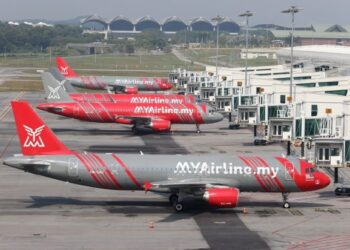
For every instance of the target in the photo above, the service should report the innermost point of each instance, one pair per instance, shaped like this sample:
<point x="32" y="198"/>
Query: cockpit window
<point x="310" y="170"/>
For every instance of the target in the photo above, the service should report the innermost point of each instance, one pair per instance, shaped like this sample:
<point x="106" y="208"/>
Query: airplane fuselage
<point x="133" y="172"/>
<point x="103" y="82"/>
<point x="109" y="112"/>
<point x="133" y="98"/>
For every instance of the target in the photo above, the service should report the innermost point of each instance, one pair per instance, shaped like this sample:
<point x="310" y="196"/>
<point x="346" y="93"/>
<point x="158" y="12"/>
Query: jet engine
<point x="222" y="197"/>
<point x="130" y="90"/>
<point x="123" y="121"/>
<point x="159" y="125"/>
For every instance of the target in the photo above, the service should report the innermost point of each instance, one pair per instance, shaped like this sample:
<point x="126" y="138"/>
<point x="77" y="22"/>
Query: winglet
<point x="64" y="68"/>
<point x="35" y="137"/>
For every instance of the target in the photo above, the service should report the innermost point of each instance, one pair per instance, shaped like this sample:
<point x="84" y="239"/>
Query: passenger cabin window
<point x="313" y="110"/>
<point x="310" y="170"/>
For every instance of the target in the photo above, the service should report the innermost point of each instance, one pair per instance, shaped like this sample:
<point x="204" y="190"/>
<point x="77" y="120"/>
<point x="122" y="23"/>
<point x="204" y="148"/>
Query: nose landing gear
<point x="285" y="200"/>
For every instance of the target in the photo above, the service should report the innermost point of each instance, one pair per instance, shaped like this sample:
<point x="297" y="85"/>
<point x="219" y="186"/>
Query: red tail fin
<point x="34" y="135"/>
<point x="64" y="68"/>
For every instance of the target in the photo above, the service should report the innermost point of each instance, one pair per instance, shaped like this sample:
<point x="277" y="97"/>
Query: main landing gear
<point x="198" y="129"/>
<point x="174" y="201"/>
<point x="134" y="129"/>
<point x="285" y="200"/>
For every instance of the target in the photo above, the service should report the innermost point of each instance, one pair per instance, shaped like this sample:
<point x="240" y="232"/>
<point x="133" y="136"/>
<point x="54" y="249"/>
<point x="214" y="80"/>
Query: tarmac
<point x="41" y="213"/>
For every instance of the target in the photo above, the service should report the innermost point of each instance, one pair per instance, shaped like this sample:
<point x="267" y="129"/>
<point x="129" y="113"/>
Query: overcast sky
<point x="266" y="11"/>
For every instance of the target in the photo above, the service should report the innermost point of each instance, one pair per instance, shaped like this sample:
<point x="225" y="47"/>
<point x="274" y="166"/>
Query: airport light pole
<point x="218" y="19"/>
<point x="246" y="14"/>
<point x="292" y="10"/>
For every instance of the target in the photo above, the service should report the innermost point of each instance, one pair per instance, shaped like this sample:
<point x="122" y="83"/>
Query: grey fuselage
<point x="103" y="82"/>
<point x="131" y="172"/>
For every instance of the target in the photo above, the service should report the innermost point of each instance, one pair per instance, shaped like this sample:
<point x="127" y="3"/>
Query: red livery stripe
<point x="247" y="162"/>
<point x="108" y="171"/>
<point x="100" y="172"/>
<point x="93" y="175"/>
<point x="127" y="171"/>
<point x="276" y="178"/>
<point x="95" y="168"/>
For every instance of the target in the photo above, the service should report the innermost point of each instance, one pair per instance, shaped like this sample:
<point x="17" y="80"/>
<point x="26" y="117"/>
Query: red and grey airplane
<point x="129" y="85"/>
<point x="157" y="116"/>
<point x="55" y="86"/>
<point x="217" y="179"/>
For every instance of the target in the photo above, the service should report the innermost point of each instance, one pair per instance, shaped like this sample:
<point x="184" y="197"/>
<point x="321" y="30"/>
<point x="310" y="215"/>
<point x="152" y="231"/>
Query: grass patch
<point x="227" y="57"/>
<point x="17" y="85"/>
<point x="162" y="62"/>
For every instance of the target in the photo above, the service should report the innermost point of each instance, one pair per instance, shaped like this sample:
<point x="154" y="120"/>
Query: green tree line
<point x="25" y="38"/>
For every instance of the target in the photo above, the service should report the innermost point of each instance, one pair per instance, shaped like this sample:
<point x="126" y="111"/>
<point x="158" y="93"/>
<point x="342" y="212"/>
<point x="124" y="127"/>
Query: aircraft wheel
<point x="286" y="205"/>
<point x="173" y="199"/>
<point x="134" y="129"/>
<point x="179" y="207"/>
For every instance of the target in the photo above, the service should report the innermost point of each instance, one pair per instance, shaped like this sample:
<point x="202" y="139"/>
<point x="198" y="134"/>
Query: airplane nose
<point x="324" y="180"/>
<point x="168" y="86"/>
<point x="50" y="108"/>
<point x="219" y="116"/>
<point x="42" y="106"/>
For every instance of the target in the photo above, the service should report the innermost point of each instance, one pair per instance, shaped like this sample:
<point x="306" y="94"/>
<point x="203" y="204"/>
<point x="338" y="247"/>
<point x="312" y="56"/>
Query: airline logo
<point x="33" y="137"/>
<point x="162" y="110"/>
<point x="226" y="168"/>
<point x="64" y="70"/>
<point x="155" y="100"/>
<point x="54" y="91"/>
<point x="133" y="82"/>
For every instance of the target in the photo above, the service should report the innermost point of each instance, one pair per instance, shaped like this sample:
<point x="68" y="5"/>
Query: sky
<point x="265" y="11"/>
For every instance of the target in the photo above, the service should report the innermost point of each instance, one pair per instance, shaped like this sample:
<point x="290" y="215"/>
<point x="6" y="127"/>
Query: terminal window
<point x="313" y="110"/>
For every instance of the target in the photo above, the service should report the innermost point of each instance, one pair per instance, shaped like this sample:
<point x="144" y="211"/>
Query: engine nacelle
<point x="131" y="90"/>
<point x="222" y="197"/>
<point x="123" y="121"/>
<point x="159" y="125"/>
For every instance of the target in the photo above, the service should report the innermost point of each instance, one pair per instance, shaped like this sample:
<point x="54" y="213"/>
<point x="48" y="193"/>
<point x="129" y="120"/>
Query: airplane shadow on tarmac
<point x="127" y="131"/>
<point x="129" y="208"/>
<point x="85" y="131"/>
<point x="134" y="207"/>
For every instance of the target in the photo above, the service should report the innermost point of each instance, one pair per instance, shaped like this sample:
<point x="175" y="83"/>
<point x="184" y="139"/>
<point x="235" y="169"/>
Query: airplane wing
<point x="192" y="183"/>
<point x="115" y="88"/>
<point x="154" y="123"/>
<point x="138" y="120"/>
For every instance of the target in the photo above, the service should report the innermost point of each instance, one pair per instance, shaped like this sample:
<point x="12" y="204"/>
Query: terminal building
<point x="319" y="116"/>
<point x="170" y="25"/>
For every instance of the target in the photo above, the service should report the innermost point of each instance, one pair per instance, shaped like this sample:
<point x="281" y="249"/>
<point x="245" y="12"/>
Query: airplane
<point x="157" y="116"/>
<point x="55" y="85"/>
<point x="217" y="179"/>
<point x="128" y="85"/>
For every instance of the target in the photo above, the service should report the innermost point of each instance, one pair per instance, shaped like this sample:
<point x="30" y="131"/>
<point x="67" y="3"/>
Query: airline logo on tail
<point x="33" y="137"/>
<point x="54" y="91"/>
<point x="64" y="70"/>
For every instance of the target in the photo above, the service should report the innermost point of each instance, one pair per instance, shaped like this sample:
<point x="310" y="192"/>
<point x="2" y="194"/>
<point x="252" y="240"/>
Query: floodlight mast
<point x="292" y="10"/>
<point x="246" y="14"/>
<point x="218" y="19"/>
